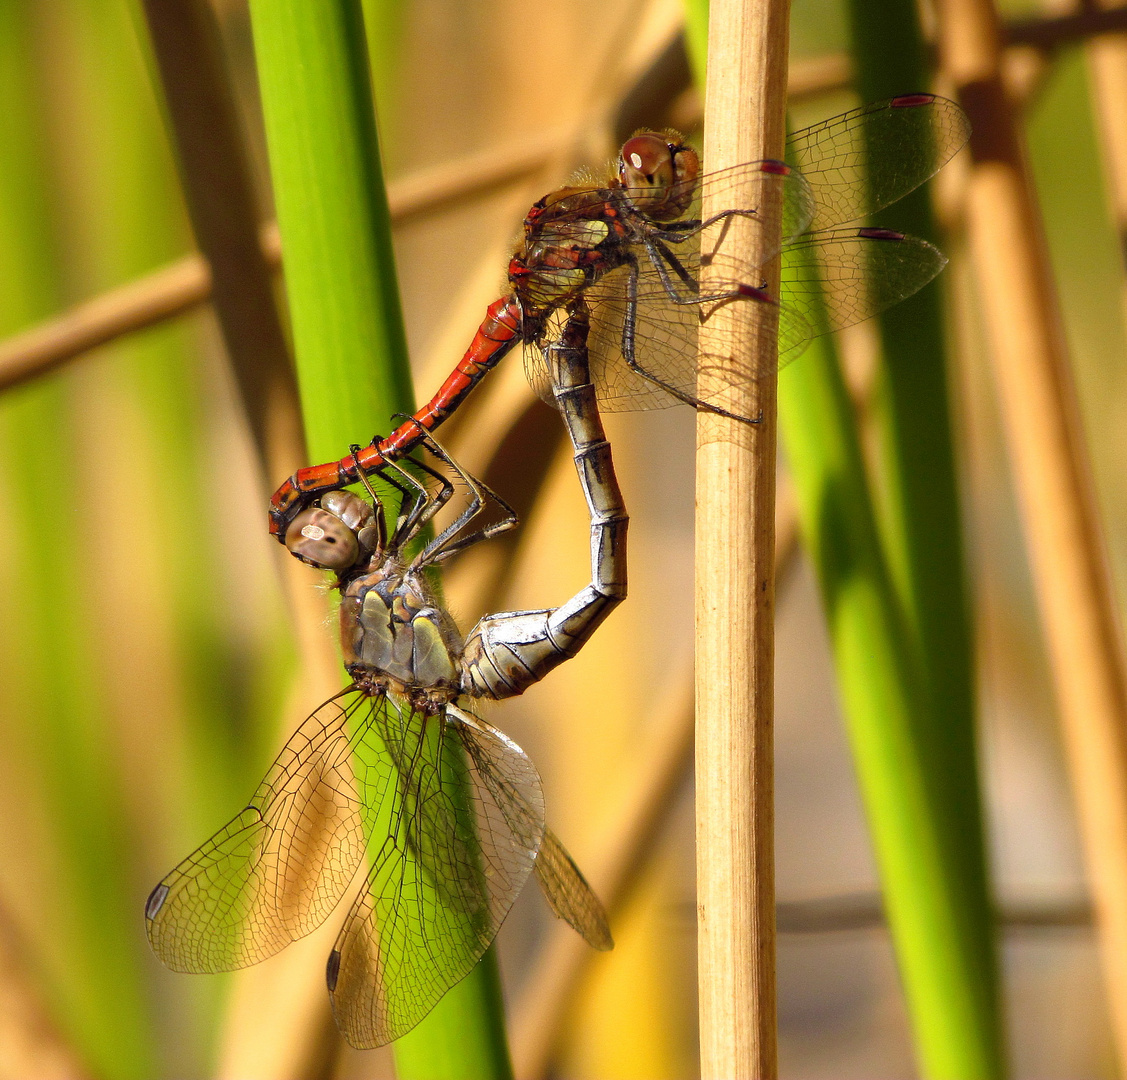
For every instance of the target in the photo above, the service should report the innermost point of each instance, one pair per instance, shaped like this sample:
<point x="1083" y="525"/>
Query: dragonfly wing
<point x="535" y="366"/>
<point x="864" y="160"/>
<point x="666" y="337"/>
<point x="571" y="898"/>
<point x="839" y="278"/>
<point x="765" y="195"/>
<point x="536" y="371"/>
<point x="617" y="387"/>
<point x="276" y="870"/>
<point x="779" y="198"/>
<point x="442" y="880"/>
<point x="662" y="344"/>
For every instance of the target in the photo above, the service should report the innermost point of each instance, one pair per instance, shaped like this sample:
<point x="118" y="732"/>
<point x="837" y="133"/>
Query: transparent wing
<point x="666" y="343"/>
<point x="277" y="869"/>
<point x="570" y="897"/>
<point x="465" y="818"/>
<point x="854" y="273"/>
<point x="864" y="160"/>
<point x="778" y="196"/>
<point x="774" y="198"/>
<point x="667" y="319"/>
<point x="853" y="164"/>
<point x="839" y="278"/>
<point x="769" y="191"/>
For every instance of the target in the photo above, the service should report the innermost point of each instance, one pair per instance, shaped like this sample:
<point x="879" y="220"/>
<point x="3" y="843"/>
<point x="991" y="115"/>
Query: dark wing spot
<point x="155" y="901"/>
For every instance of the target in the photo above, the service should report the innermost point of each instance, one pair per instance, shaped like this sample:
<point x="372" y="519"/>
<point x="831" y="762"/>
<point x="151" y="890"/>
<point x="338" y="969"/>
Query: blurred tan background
<point x="147" y="667"/>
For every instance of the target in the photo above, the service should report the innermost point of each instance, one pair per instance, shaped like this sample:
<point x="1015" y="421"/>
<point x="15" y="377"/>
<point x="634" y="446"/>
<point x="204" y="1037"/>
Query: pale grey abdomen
<point x="507" y="652"/>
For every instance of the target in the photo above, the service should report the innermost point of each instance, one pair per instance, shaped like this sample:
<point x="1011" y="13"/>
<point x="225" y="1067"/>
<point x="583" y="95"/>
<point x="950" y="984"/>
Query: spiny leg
<point x="664" y="260"/>
<point x="426" y="504"/>
<point x="676" y="231"/>
<point x="424" y="507"/>
<point x="429" y="505"/>
<point x="431" y="552"/>
<point x="449" y="543"/>
<point x="629" y="332"/>
<point x="416" y="495"/>
<point x="377" y="502"/>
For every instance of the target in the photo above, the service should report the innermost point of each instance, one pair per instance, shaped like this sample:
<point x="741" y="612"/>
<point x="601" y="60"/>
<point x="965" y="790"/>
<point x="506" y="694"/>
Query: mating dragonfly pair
<point x="397" y="774"/>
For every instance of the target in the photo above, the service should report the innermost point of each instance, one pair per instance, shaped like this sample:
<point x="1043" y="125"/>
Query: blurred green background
<point x="148" y="669"/>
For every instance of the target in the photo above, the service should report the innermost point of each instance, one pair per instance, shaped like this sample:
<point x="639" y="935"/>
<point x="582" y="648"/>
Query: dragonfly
<point x="632" y="247"/>
<point x="397" y="780"/>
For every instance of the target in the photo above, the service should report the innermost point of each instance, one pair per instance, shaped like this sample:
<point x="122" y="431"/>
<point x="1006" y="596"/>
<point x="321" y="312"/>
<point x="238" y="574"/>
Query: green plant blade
<point x="896" y="607"/>
<point x="332" y="210"/>
<point x="350" y="345"/>
<point x="921" y="526"/>
<point x="930" y="897"/>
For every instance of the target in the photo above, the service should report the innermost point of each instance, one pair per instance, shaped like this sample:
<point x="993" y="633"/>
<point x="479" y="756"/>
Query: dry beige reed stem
<point x="1050" y="463"/>
<point x="1107" y="62"/>
<point x="745" y="102"/>
<point x="636" y="827"/>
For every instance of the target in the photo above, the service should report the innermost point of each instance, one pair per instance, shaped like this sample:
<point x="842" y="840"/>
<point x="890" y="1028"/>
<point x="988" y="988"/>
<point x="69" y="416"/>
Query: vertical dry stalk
<point x="744" y="120"/>
<point x="635" y="832"/>
<point x="1107" y="63"/>
<point x="225" y="218"/>
<point x="1058" y="505"/>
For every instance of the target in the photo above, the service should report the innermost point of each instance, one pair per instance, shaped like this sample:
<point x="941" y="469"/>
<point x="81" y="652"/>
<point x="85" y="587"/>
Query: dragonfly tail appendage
<point x="498" y="333"/>
<point x="507" y="652"/>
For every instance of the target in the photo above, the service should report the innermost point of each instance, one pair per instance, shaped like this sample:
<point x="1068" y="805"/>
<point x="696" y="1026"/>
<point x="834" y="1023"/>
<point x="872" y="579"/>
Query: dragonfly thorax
<point x="395" y="634"/>
<point x="569" y="242"/>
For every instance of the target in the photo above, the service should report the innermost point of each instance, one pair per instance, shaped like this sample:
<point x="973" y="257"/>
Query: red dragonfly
<point x="632" y="248"/>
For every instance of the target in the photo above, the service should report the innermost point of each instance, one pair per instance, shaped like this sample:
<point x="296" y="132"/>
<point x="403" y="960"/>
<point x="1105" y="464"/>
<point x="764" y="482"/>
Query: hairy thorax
<point x="569" y="241"/>
<point x="395" y="636"/>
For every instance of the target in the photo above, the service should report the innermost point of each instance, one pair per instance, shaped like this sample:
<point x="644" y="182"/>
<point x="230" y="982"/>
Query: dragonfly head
<point x="335" y="535"/>
<point x="659" y="172"/>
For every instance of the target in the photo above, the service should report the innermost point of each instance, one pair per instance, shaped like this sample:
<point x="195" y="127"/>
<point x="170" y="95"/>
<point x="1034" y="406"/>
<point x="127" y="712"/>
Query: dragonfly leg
<point x="677" y="231"/>
<point x="629" y="330"/>
<point x="414" y="497"/>
<point x="507" y="652"/>
<point x="426" y="503"/>
<point x="449" y="542"/>
<point x="501" y="330"/>
<point x="664" y="260"/>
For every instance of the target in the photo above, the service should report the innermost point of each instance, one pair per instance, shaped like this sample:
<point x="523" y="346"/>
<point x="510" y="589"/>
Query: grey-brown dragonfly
<point x="396" y="785"/>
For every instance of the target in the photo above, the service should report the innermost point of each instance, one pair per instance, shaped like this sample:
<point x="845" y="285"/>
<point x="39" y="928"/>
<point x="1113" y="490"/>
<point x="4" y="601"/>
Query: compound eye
<point x="322" y="539"/>
<point x="354" y="511"/>
<point x="646" y="162"/>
